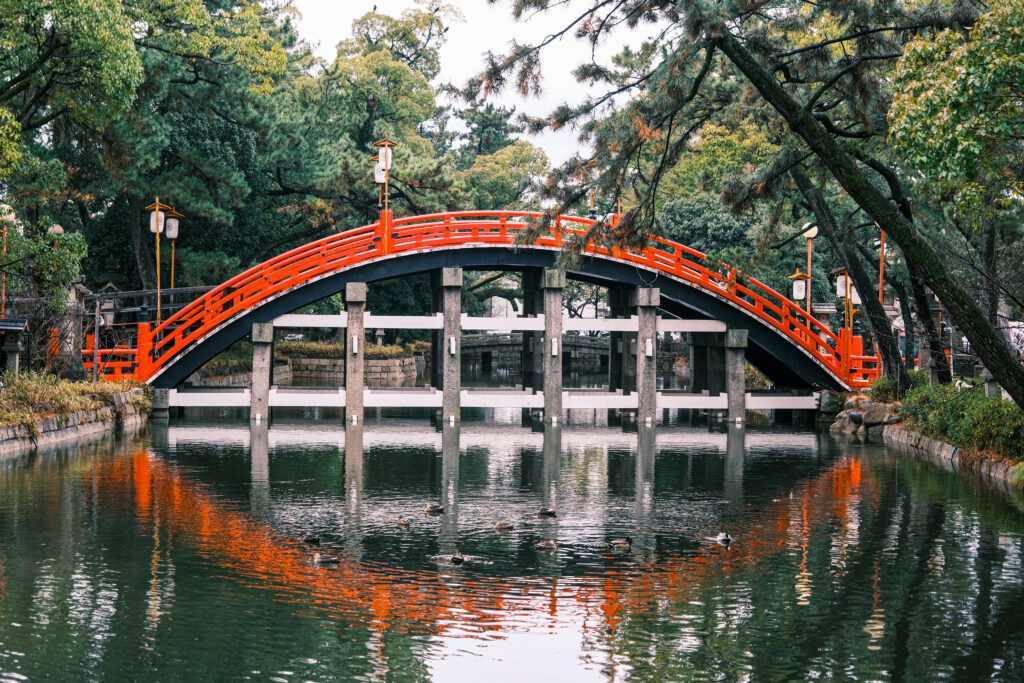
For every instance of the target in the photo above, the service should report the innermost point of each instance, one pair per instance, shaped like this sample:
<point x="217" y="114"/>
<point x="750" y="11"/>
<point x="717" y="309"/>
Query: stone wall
<point x="380" y="372"/>
<point x="50" y="431"/>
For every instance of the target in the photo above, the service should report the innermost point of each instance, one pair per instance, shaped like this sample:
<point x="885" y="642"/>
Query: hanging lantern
<point x="156" y="221"/>
<point x="171" y="228"/>
<point x="841" y="283"/>
<point x="799" y="285"/>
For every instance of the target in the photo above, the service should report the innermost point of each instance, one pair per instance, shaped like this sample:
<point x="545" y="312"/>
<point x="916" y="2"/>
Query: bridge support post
<point x="355" y="352"/>
<point x="262" y="360"/>
<point x="647" y="301"/>
<point x="735" y="375"/>
<point x="554" y="283"/>
<point x="451" y="303"/>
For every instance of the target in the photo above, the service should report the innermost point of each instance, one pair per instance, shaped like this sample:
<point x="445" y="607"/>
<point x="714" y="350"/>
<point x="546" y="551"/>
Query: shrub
<point x="969" y="420"/>
<point x="883" y="389"/>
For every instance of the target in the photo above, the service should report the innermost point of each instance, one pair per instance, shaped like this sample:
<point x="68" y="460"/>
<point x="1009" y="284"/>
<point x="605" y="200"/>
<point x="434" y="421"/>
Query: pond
<point x="180" y="553"/>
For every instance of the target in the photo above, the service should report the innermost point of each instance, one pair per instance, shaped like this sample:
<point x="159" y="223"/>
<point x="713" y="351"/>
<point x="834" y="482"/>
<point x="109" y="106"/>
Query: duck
<point x="623" y="544"/>
<point x="504" y="526"/>
<point x="311" y="538"/>
<point x="320" y="558"/>
<point x="545" y="545"/>
<point x="402" y="522"/>
<point x="457" y="558"/>
<point x="724" y="538"/>
<point x="546" y="512"/>
<point x="433" y="509"/>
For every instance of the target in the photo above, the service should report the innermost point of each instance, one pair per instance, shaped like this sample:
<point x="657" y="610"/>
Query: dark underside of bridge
<point x="784" y="363"/>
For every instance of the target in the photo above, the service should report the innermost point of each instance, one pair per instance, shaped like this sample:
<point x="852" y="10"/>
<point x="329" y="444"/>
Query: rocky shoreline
<point x="880" y="422"/>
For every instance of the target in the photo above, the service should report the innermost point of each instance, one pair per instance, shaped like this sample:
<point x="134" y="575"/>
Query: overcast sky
<point x="484" y="27"/>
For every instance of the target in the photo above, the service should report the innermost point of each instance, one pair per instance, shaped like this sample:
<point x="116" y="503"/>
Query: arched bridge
<point x="793" y="349"/>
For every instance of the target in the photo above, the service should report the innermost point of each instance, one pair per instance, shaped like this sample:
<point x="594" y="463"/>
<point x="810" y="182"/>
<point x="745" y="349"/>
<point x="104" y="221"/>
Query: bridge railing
<point x="395" y="236"/>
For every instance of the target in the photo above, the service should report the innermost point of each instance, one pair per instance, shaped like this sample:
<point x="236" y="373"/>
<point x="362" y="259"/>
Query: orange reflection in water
<point x="401" y="600"/>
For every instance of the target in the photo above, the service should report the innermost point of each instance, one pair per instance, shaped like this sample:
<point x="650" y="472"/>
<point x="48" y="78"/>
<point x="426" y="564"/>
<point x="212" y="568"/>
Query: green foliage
<point x="505" y="179"/>
<point x="969" y="420"/>
<point x="701" y="222"/>
<point x="884" y="389"/>
<point x="957" y="115"/>
<point x="321" y="349"/>
<point x="205" y="268"/>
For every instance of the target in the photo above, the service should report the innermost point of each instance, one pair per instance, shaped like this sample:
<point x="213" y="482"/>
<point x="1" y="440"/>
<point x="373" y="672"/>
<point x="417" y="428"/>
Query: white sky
<point x="484" y="27"/>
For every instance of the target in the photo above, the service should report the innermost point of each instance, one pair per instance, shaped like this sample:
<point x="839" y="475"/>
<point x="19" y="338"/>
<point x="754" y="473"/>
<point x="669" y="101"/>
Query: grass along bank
<point x="31" y="396"/>
<point x="986" y="427"/>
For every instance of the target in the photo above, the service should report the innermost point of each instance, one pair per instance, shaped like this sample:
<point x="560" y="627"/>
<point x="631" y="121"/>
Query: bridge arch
<point x="793" y="350"/>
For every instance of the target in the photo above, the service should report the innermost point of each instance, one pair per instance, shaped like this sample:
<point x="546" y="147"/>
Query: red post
<point x="144" y="345"/>
<point x="385" y="232"/>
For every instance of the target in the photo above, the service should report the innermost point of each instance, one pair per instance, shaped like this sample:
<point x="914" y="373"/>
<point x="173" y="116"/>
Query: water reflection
<point x="847" y="562"/>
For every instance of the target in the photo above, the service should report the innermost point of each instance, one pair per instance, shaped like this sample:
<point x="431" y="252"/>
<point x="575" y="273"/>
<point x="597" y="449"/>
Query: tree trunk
<point x="908" y="322"/>
<point x="888" y="345"/>
<point x="932" y="334"/>
<point x="143" y="259"/>
<point x="922" y="260"/>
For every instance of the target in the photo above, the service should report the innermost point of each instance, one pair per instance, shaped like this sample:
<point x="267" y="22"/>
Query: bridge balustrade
<point x="159" y="347"/>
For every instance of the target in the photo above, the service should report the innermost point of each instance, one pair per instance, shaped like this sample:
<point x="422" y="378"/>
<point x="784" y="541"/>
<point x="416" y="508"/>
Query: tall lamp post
<point x="156" y="226"/>
<point x="171" y="230"/>
<point x="810" y="230"/>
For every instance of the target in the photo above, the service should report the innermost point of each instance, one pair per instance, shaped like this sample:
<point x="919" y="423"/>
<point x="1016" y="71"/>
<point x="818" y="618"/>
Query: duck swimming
<point x="724" y="538"/>
<point x="402" y="522"/>
<point x="433" y="509"/>
<point x="623" y="544"/>
<point x="320" y="558"/>
<point x="504" y="526"/>
<point x="546" y="512"/>
<point x="546" y="545"/>
<point x="311" y="538"/>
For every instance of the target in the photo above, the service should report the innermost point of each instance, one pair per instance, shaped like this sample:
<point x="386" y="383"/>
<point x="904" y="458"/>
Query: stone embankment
<point x="880" y="422"/>
<point x="83" y="424"/>
<point x="296" y="371"/>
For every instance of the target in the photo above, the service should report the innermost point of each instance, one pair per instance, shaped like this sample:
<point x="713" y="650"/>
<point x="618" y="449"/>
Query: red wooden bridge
<point x="783" y="337"/>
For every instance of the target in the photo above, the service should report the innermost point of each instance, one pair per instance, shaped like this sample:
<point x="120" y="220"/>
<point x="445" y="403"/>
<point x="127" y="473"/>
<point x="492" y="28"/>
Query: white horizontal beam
<point x="377" y="398"/>
<point x="307" y="399"/>
<point x="692" y="401"/>
<point x="503" y="324"/>
<point x="310" y="320"/>
<point x="208" y="399"/>
<point x="504" y="399"/>
<point x="592" y="400"/>
<point x="675" y="325"/>
<point x="782" y="402"/>
<point x="404" y="322"/>
<point x="600" y="324"/>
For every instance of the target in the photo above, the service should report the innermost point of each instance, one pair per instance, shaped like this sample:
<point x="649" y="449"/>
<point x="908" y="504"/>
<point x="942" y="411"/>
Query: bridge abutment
<point x="554" y="283"/>
<point x="355" y="353"/>
<point x="262" y="363"/>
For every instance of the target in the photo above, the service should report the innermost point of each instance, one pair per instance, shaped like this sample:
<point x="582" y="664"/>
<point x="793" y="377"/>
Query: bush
<point x="883" y="389"/>
<point x="313" y="349"/>
<point x="969" y="420"/>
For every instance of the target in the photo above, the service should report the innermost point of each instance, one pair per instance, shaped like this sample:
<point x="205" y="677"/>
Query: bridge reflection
<point x="171" y="503"/>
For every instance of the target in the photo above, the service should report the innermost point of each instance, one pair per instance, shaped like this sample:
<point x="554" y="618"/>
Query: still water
<point x="179" y="553"/>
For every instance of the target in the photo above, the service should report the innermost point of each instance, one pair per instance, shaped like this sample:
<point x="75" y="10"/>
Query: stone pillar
<point x="647" y="301"/>
<point x="161" y="404"/>
<point x="259" y="486"/>
<point x="262" y="359"/>
<point x="451" y="284"/>
<point x="991" y="385"/>
<point x="355" y="352"/>
<point x="554" y="283"/>
<point x="735" y="375"/>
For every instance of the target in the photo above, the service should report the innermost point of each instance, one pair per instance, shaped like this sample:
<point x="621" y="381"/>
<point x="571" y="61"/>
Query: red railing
<point x="160" y="346"/>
